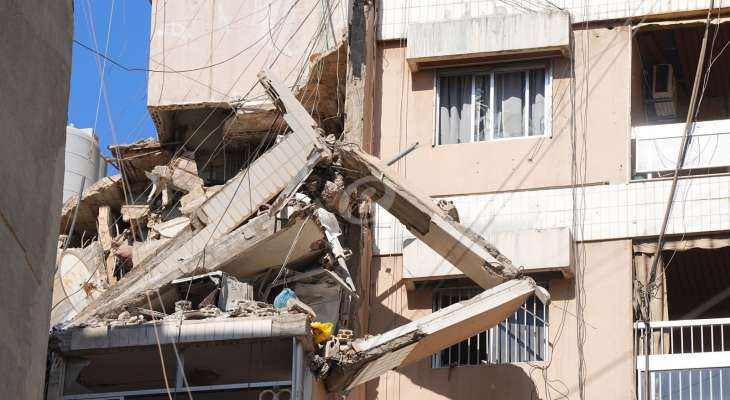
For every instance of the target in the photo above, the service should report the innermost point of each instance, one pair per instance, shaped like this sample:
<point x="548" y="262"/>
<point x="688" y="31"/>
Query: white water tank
<point x="82" y="159"/>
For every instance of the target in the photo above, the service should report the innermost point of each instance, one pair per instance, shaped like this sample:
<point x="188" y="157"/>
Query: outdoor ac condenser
<point x="662" y="90"/>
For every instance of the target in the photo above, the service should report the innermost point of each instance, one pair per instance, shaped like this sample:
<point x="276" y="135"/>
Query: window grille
<point x="521" y="337"/>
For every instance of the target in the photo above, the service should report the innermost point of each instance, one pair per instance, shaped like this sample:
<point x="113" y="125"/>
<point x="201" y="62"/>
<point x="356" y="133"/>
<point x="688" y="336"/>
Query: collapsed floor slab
<point x="107" y="337"/>
<point x="470" y="253"/>
<point x="423" y="337"/>
<point x="250" y="249"/>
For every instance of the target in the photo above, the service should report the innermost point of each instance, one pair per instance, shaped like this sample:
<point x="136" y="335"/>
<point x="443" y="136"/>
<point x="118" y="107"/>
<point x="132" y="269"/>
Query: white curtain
<point x="537" y="102"/>
<point x="455" y="109"/>
<point x="509" y="98"/>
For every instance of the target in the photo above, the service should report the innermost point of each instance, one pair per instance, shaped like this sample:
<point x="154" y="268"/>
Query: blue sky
<point x="127" y="91"/>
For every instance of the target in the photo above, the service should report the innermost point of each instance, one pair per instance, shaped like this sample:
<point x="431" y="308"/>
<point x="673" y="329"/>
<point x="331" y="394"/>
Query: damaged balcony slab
<point x="138" y="157"/>
<point x="322" y="94"/>
<point x="87" y="339"/>
<point x="254" y="247"/>
<point x="425" y="336"/>
<point x="467" y="251"/>
<point x="105" y="192"/>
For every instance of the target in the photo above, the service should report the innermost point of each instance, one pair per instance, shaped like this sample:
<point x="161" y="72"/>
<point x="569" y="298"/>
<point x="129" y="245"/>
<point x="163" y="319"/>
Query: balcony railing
<point x="656" y="146"/>
<point x="690" y="359"/>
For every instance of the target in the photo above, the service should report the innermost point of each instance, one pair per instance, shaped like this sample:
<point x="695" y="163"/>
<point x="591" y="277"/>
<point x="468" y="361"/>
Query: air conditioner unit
<point x="662" y="90"/>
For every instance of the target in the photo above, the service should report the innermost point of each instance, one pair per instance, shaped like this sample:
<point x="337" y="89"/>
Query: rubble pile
<point x="159" y="243"/>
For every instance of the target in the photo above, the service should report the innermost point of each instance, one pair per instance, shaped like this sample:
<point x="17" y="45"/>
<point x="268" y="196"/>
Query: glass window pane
<point x="455" y="111"/>
<point x="482" y="84"/>
<point x="537" y="102"/>
<point x="509" y="99"/>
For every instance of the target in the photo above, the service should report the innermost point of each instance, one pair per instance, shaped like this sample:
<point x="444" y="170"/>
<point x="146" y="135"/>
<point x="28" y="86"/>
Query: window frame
<point x="544" y="341"/>
<point x="490" y="70"/>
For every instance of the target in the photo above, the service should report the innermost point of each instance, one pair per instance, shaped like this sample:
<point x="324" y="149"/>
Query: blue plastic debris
<point x="282" y="299"/>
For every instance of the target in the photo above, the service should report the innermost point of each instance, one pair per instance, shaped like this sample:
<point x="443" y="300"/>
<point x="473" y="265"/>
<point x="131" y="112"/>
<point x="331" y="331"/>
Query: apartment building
<point x="554" y="131"/>
<point x="542" y="135"/>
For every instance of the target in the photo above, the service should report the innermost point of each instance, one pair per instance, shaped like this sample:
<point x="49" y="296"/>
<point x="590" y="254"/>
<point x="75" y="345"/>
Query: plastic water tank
<point x="82" y="159"/>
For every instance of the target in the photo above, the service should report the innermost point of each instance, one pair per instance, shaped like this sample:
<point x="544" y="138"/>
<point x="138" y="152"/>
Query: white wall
<point x="395" y="15"/>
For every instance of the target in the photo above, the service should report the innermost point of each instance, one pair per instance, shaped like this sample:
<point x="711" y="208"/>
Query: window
<point x="492" y="103"/>
<point x="521" y="337"/>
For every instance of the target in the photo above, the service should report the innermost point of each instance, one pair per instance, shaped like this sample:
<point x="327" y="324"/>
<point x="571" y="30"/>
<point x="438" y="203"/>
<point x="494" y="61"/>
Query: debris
<point x="425" y="336"/>
<point x="332" y="231"/>
<point x="321" y="331"/>
<point x="295" y="305"/>
<point x="143" y="250"/>
<point x="449" y="209"/>
<point x="282" y="299"/>
<point x="277" y="222"/>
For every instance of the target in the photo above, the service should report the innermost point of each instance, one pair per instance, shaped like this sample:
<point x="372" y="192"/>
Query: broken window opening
<point x="492" y="103"/>
<point x="664" y="63"/>
<point x="520" y="338"/>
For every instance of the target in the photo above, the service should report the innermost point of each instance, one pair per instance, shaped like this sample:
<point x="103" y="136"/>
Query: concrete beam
<point x="425" y="336"/>
<point x="466" y="250"/>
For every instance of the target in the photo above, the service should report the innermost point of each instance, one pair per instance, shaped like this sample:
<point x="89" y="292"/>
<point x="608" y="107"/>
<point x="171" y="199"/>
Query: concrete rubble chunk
<point x="106" y="191"/>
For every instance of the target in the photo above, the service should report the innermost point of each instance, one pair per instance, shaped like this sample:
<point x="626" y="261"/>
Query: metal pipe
<point x="402" y="154"/>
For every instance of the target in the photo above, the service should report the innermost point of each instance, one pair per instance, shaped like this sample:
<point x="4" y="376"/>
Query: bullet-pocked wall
<point x="34" y="81"/>
<point x="404" y="112"/>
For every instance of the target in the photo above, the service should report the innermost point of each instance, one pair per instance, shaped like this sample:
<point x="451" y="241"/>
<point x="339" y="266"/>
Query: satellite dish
<point x="77" y="281"/>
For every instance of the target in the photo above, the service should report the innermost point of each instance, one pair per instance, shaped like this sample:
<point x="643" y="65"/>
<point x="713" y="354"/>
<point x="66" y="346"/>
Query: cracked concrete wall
<point x="34" y="82"/>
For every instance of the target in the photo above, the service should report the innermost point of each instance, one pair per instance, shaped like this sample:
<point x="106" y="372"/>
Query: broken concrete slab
<point x="138" y="157"/>
<point x="78" y="340"/>
<point x="425" y="336"/>
<point x="105" y="192"/>
<point x="171" y="228"/>
<point x="145" y="249"/>
<point x="466" y="250"/>
<point x="258" y="245"/>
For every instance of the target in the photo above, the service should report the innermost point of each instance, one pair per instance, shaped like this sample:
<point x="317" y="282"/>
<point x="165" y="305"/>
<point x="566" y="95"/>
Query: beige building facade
<point x="502" y="252"/>
<point x="588" y="158"/>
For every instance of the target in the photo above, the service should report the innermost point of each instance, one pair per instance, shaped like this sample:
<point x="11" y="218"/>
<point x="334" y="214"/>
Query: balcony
<point x="656" y="147"/>
<point x="689" y="359"/>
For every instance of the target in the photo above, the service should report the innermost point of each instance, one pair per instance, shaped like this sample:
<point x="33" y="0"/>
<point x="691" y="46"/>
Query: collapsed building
<point x="187" y="286"/>
<point x="260" y="247"/>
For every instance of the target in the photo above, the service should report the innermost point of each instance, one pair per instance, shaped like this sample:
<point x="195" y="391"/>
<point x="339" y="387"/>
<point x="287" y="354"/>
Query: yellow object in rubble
<point x="321" y="331"/>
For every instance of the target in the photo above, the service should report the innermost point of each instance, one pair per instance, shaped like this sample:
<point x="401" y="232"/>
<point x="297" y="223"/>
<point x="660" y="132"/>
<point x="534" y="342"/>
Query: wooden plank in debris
<point x="466" y="250"/>
<point x="425" y="336"/>
<point x="104" y="220"/>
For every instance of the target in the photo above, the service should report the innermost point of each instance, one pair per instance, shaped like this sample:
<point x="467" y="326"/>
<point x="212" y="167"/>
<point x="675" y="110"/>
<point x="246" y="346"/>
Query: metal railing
<point x="520" y="338"/>
<point x="656" y="146"/>
<point x="690" y="359"/>
<point x="685" y="336"/>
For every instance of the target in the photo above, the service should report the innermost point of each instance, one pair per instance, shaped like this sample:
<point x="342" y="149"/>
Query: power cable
<point x="689" y="123"/>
